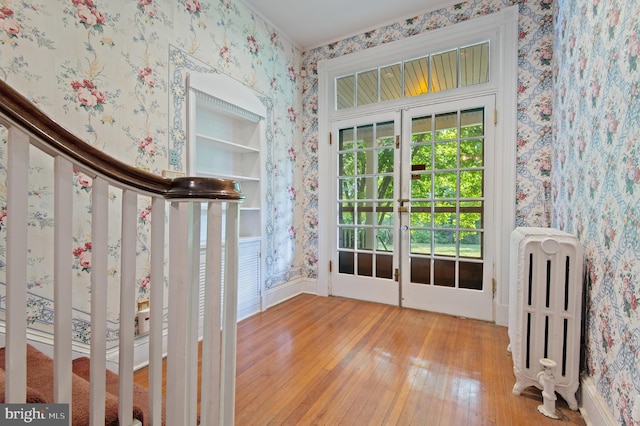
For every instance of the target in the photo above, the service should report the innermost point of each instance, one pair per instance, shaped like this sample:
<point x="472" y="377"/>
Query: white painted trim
<point x="489" y="27"/>
<point x="311" y="287"/>
<point x="141" y="351"/>
<point x="503" y="26"/>
<point x="249" y="310"/>
<point x="291" y="289"/>
<point x="507" y="106"/>
<point x="502" y="314"/>
<point x="324" y="158"/>
<point x="228" y="90"/>
<point x="593" y="408"/>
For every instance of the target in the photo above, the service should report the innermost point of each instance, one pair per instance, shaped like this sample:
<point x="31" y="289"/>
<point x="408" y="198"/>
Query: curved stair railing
<point x="180" y="199"/>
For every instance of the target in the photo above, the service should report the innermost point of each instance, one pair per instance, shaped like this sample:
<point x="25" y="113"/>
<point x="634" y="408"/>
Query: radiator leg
<point x="519" y="387"/>
<point x="569" y="395"/>
<point x="547" y="381"/>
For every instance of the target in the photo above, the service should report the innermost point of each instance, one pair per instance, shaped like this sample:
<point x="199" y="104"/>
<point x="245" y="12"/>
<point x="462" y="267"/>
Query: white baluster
<point x="99" y="246"/>
<point x="210" y="396"/>
<point x="127" y="305"/>
<point x="230" y="319"/>
<point x="156" y="304"/>
<point x="16" y="296"/>
<point x="193" y="267"/>
<point x="62" y="288"/>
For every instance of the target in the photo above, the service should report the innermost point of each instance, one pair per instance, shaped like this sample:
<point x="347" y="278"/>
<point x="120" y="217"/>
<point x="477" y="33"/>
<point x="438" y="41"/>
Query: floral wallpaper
<point x="113" y="73"/>
<point x="596" y="181"/>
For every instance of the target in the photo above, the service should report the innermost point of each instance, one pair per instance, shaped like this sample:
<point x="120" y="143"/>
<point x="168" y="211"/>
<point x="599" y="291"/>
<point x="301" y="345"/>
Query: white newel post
<point x="219" y="353"/>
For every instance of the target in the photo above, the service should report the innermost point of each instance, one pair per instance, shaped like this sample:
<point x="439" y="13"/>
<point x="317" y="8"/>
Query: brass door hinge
<point x="330" y="138"/>
<point x="397" y="141"/>
<point x="396" y="275"/>
<point x="330" y="266"/>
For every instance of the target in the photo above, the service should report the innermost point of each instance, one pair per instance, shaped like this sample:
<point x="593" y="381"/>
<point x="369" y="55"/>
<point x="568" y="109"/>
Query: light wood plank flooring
<point x="331" y="361"/>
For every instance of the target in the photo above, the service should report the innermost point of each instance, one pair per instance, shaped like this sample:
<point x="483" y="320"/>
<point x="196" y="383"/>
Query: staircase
<point x="40" y="388"/>
<point x="30" y="131"/>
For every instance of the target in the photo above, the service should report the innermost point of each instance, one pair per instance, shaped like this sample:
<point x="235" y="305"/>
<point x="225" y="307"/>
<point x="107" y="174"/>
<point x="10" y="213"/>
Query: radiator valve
<point x="548" y="382"/>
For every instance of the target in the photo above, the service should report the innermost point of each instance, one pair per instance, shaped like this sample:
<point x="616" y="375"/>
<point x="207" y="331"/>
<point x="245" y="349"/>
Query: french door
<point x="366" y="224"/>
<point x="414" y="202"/>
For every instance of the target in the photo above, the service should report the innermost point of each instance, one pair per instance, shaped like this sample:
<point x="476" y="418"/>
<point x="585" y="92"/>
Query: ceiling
<point x="310" y="24"/>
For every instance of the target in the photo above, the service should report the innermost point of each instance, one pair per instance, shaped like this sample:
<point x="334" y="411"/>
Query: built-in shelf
<point x="238" y="178"/>
<point x="225" y="139"/>
<point x="225" y="145"/>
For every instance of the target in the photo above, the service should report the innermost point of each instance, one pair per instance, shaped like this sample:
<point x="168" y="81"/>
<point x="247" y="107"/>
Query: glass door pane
<point x="446" y="195"/>
<point x="365" y="199"/>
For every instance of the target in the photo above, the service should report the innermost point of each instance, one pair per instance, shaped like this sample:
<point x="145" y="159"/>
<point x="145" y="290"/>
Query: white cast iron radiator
<point x="545" y="302"/>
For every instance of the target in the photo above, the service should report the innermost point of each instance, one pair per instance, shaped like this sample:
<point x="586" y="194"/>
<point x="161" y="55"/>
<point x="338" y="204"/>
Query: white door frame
<point x="502" y="29"/>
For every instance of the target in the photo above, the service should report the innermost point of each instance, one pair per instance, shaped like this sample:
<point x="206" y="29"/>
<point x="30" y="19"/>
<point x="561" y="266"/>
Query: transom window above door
<point x="436" y="72"/>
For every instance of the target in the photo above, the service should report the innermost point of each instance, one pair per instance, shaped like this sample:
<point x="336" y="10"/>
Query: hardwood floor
<point x="331" y="361"/>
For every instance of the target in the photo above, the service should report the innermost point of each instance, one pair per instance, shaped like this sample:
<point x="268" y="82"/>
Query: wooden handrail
<point x="19" y="111"/>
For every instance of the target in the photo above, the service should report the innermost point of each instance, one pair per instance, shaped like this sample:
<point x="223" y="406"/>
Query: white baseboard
<point x="279" y="294"/>
<point x="593" y="408"/>
<point x="502" y="315"/>
<point x="141" y="351"/>
<point x="311" y="287"/>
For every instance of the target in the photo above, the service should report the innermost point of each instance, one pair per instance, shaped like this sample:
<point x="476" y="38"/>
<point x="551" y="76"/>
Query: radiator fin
<point x="530" y="288"/>
<point x="546" y="336"/>
<point x="566" y="283"/>
<point x="528" y="351"/>
<point x="548" y="295"/>
<point x="564" y="347"/>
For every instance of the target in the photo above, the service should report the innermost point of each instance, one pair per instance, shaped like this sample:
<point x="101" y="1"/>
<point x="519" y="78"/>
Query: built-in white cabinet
<point x="225" y="140"/>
